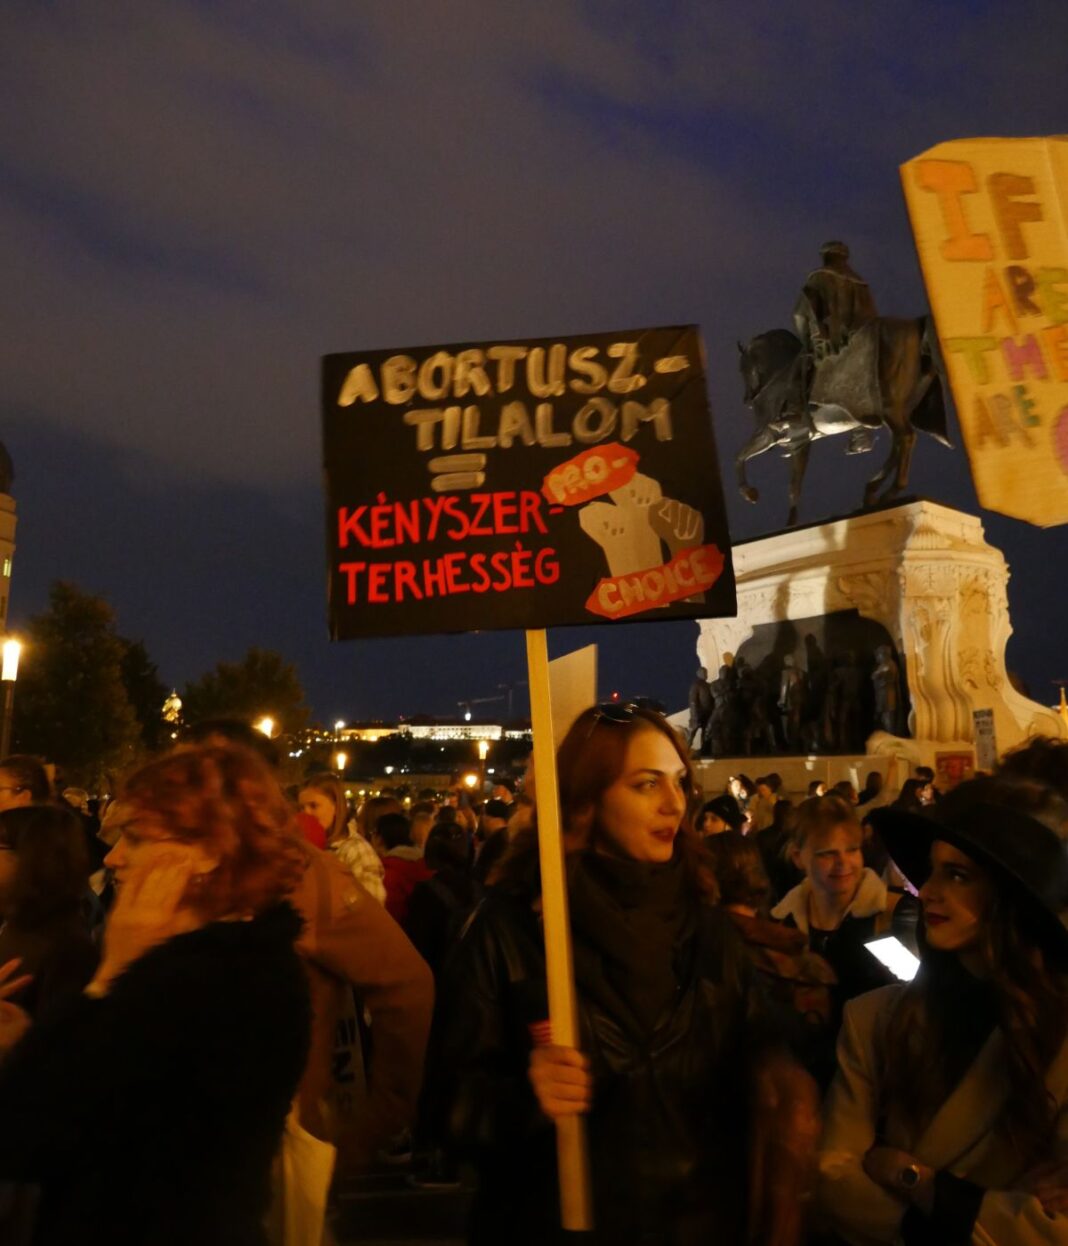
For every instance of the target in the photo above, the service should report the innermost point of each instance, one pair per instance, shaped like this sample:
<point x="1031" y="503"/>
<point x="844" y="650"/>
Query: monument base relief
<point x="878" y="635"/>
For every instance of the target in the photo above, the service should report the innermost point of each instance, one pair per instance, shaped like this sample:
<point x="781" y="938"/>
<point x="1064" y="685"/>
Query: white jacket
<point x="965" y="1138"/>
<point x="872" y="897"/>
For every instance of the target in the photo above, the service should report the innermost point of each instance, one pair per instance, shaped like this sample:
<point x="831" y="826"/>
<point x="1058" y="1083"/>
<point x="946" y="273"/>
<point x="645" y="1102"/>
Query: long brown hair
<point x="51" y="865"/>
<point x="1032" y="1006"/>
<point x="1031" y="993"/>
<point x="589" y="760"/>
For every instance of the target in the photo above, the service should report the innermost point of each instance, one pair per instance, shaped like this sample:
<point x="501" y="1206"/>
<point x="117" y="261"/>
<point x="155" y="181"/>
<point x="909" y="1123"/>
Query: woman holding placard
<point x="948" y="1118"/>
<point x="670" y="1021"/>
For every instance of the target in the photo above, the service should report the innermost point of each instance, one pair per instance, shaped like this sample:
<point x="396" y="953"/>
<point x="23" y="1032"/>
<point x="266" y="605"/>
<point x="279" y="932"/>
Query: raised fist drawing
<point x="641" y="491"/>
<point x="680" y="527"/>
<point x="623" y="532"/>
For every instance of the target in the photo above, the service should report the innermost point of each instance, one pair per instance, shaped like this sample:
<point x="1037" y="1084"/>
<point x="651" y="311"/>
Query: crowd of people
<point x="212" y="961"/>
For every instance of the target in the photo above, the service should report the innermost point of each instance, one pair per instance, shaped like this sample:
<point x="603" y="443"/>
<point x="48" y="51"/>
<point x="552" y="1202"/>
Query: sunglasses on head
<point x="615" y="711"/>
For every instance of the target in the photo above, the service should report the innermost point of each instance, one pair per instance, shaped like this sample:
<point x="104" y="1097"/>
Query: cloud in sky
<point x="197" y="199"/>
<point x="201" y="198"/>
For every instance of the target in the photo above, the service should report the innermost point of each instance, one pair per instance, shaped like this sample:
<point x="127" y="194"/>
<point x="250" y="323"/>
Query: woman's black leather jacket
<point x="668" y="1126"/>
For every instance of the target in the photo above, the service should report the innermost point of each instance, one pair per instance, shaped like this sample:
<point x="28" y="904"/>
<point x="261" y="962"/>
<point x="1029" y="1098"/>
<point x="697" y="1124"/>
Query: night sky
<point x="197" y="200"/>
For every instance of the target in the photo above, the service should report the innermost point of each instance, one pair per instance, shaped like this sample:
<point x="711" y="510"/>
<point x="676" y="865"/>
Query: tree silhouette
<point x="71" y="703"/>
<point x="262" y="683"/>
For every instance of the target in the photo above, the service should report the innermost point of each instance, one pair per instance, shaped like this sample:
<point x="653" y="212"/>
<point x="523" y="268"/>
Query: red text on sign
<point x="385" y="523"/>
<point x="690" y="571"/>
<point x="379" y="583"/>
<point x="590" y="474"/>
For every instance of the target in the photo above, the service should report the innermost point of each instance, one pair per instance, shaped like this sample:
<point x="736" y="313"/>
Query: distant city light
<point x="172" y="708"/>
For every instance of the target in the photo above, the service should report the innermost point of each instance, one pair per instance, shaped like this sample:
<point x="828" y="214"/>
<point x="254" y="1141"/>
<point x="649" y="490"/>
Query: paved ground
<point x="382" y="1209"/>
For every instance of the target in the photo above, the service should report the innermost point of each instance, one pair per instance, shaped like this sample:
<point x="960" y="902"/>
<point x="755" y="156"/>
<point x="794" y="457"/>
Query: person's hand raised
<point x="14" y="1021"/>
<point x="148" y="910"/>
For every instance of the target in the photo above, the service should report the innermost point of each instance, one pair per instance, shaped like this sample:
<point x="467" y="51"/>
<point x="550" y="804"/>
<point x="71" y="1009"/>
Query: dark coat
<point x="150" y="1116"/>
<point x="667" y="1130"/>
<point x="437" y="911"/>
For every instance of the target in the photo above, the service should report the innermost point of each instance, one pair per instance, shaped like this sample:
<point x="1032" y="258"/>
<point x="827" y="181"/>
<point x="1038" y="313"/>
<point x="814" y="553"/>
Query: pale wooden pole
<point x="576" y="1202"/>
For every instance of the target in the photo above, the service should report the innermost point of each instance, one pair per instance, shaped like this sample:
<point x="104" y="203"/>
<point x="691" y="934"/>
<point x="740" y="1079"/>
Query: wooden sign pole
<point x="576" y="1203"/>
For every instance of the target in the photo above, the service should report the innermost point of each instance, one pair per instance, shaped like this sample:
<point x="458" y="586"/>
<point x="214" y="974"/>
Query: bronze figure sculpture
<point x="790" y="703"/>
<point x="886" y="679"/>
<point x="723" y="721"/>
<point x="850" y="370"/>
<point x="700" y="709"/>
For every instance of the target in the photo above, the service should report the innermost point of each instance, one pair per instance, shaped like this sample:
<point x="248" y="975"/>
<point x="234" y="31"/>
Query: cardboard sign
<point x="990" y="218"/>
<point x="953" y="768"/>
<point x="523" y="485"/>
<point x="572" y="688"/>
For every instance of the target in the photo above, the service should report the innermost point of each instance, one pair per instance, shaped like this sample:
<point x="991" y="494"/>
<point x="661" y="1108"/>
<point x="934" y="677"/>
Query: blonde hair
<point x="819" y="815"/>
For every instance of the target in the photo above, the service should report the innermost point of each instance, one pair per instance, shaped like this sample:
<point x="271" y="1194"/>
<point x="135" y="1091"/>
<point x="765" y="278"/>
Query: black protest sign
<point x="522" y="485"/>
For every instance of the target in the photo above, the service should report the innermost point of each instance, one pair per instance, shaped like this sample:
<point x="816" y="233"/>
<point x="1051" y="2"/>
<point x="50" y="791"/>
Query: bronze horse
<point x="901" y="370"/>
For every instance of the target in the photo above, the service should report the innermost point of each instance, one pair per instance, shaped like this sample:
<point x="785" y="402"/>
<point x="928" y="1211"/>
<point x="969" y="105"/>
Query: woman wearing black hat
<point x="723" y="813"/>
<point x="948" y="1118"/>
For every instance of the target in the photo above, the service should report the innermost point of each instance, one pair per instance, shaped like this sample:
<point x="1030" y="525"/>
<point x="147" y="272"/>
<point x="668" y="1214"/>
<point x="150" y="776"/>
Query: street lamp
<point x="339" y="727"/>
<point x="11" y="649"/>
<point x="266" y="725"/>
<point x="483" y="753"/>
<point x="341" y="759"/>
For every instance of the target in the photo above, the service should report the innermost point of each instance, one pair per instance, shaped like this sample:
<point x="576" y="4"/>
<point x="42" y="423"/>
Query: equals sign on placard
<point x="457" y="471"/>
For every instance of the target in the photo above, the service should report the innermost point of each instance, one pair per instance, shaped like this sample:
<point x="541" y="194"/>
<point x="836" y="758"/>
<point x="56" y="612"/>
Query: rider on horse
<point x="835" y="302"/>
<point x="847" y="370"/>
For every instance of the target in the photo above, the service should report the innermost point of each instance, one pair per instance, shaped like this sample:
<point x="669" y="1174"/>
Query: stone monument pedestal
<point x="926" y="574"/>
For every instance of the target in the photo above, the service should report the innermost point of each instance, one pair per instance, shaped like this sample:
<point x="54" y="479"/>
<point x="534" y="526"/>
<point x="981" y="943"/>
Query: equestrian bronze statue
<point x="846" y="370"/>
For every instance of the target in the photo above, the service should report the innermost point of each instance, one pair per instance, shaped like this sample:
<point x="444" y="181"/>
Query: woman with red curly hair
<point x="173" y="1074"/>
